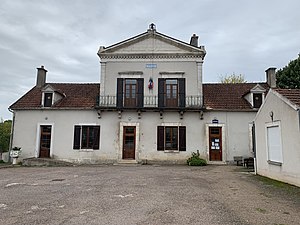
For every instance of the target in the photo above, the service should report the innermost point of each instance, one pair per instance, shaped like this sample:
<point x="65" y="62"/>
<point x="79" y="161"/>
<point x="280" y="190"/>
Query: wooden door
<point x="129" y="142"/>
<point x="130" y="96"/>
<point x="171" y="93"/>
<point x="215" y="144"/>
<point x="45" y="141"/>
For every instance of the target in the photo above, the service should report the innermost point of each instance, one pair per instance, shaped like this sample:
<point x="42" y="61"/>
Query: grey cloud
<point x="240" y="36"/>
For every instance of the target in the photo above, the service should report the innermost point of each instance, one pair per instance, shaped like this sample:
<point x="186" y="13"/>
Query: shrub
<point x="195" y="160"/>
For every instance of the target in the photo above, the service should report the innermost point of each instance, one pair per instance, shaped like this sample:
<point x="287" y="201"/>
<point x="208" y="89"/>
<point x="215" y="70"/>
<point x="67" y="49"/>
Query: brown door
<point x="215" y="144"/>
<point x="171" y="93"/>
<point x="45" y="142"/>
<point x="129" y="143"/>
<point x="130" y="93"/>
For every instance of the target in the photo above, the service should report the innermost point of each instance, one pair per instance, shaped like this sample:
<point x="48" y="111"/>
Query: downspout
<point x="11" y="133"/>
<point x="299" y="118"/>
<point x="254" y="147"/>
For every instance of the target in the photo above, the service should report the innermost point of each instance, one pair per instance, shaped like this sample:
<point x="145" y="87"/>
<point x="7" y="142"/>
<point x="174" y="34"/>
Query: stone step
<point x="45" y="162"/>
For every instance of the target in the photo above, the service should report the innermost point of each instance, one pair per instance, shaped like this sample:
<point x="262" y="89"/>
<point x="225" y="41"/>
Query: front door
<point x="215" y="143"/>
<point x="129" y="142"/>
<point x="45" y="141"/>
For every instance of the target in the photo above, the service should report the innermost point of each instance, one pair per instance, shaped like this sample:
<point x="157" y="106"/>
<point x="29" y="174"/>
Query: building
<point x="150" y="106"/>
<point x="277" y="136"/>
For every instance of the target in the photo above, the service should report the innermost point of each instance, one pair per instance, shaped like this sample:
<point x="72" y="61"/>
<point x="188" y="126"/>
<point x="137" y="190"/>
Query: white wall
<point x="27" y="136"/>
<point x="288" y="119"/>
<point x="237" y="134"/>
<point x="113" y="69"/>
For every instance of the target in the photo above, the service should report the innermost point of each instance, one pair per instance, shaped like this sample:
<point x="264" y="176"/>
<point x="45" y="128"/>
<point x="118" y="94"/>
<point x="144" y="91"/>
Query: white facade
<point x="277" y="139"/>
<point x="27" y="134"/>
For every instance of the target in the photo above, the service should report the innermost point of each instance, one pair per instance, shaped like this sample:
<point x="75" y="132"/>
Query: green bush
<point x="1" y="161"/>
<point x="195" y="160"/>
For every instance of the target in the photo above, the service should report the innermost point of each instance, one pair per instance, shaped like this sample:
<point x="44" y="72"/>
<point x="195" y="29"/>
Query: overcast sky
<point x="240" y="36"/>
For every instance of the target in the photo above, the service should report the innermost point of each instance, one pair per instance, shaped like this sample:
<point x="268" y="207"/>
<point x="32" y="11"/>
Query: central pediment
<point x="151" y="42"/>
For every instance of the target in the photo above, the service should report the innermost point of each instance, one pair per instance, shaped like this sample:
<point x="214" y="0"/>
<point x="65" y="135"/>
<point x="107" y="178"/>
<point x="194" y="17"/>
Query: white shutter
<point x="274" y="144"/>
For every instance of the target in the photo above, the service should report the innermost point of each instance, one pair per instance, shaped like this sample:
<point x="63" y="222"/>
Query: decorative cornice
<point x="151" y="56"/>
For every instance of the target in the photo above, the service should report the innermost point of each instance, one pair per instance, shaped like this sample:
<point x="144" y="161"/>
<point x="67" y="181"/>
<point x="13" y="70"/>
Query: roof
<point x="220" y="96"/>
<point x="217" y="96"/>
<point x="292" y="95"/>
<point x="74" y="96"/>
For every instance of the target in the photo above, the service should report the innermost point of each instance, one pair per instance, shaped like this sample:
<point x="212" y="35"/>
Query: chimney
<point x="194" y="40"/>
<point x="41" y="77"/>
<point x="271" y="77"/>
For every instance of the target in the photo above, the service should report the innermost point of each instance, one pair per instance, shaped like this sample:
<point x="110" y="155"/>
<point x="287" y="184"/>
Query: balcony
<point x="149" y="102"/>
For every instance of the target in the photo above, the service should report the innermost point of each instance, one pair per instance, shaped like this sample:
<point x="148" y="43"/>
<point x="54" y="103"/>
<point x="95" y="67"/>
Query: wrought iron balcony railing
<point x="110" y="101"/>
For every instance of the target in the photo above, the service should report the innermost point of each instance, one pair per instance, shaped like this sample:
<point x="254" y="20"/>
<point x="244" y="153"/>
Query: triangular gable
<point x="50" y="88"/>
<point x="258" y="89"/>
<point x="151" y="42"/>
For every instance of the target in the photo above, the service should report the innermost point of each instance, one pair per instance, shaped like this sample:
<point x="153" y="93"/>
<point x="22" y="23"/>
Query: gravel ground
<point x="144" y="195"/>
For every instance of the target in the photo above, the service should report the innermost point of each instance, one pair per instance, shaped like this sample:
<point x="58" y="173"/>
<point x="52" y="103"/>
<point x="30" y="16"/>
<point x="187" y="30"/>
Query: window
<point x="274" y="144"/>
<point x="130" y="93"/>
<point x="171" y="92"/>
<point x="130" y="96"/>
<point x="86" y="137"/>
<point x="48" y="99"/>
<point x="171" y="138"/>
<point x="257" y="100"/>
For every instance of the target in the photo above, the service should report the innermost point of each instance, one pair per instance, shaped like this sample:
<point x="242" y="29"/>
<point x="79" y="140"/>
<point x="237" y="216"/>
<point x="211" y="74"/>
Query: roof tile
<point x="75" y="96"/>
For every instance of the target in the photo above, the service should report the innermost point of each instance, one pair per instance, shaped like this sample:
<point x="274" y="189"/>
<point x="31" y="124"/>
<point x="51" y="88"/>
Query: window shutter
<point x="140" y="92"/>
<point x="161" y="94"/>
<point x="160" y="138"/>
<point x="120" y="93"/>
<point x="181" y="82"/>
<point x="76" y="141"/>
<point x="96" y="137"/>
<point x="182" y="138"/>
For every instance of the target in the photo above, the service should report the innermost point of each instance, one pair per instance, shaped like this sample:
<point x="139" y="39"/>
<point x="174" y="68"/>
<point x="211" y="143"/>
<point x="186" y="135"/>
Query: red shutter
<point x="76" y="141"/>
<point x="160" y="138"/>
<point x="182" y="138"/>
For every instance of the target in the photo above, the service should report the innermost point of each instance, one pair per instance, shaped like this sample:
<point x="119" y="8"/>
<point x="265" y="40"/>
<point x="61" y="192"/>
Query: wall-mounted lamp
<point x="201" y="115"/>
<point x="272" y="115"/>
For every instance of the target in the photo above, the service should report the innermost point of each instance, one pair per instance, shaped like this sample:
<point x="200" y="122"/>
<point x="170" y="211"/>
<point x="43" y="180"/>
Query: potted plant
<point x="15" y="153"/>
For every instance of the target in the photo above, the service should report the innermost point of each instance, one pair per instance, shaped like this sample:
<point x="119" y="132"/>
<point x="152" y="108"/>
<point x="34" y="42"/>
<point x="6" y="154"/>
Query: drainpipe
<point x="254" y="147"/>
<point x="11" y="133"/>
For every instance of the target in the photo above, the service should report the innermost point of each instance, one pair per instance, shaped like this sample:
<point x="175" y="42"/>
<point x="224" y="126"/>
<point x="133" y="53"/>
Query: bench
<point x="238" y="160"/>
<point x="249" y="162"/>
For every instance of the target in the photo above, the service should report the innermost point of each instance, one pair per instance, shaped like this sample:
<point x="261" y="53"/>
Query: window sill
<point x="274" y="163"/>
<point x="86" y="150"/>
<point x="171" y="151"/>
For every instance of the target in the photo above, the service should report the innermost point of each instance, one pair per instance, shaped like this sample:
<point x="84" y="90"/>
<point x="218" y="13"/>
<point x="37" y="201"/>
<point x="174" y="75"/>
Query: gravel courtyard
<point x="144" y="195"/>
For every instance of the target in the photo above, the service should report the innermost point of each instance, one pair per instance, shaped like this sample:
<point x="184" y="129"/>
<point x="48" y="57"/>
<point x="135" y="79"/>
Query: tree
<point x="5" y="129"/>
<point x="233" y="79"/>
<point x="289" y="76"/>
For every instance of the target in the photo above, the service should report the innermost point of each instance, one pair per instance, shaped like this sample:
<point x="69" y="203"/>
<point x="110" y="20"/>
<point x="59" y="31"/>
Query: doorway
<point x="215" y="143"/>
<point x="129" y="133"/>
<point x="45" y="141"/>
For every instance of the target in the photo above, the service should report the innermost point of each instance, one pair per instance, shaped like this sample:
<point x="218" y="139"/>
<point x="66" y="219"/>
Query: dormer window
<point x="48" y="99"/>
<point x="257" y="100"/>
<point x="256" y="96"/>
